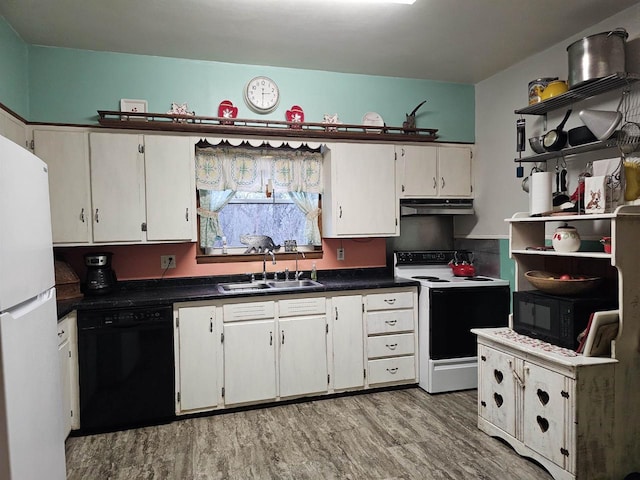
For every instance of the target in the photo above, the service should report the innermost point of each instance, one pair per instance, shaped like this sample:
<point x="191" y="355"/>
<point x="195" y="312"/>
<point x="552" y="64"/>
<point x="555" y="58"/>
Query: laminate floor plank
<point x="401" y="434"/>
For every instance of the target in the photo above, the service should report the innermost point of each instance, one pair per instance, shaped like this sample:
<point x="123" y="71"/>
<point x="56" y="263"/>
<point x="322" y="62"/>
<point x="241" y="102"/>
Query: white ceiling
<point x="449" y="40"/>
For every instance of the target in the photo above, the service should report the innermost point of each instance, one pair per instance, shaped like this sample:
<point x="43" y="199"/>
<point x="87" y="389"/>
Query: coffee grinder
<point x="101" y="278"/>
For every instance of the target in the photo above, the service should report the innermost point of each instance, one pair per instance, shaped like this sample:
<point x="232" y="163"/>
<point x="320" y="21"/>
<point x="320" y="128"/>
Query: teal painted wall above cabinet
<point x="69" y="86"/>
<point x="14" y="85"/>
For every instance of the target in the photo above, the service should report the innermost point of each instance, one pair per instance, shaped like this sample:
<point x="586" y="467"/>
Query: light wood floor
<point x="399" y="434"/>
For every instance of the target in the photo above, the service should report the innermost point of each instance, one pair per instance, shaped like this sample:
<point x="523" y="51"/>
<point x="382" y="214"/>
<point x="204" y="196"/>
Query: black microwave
<point x="554" y="319"/>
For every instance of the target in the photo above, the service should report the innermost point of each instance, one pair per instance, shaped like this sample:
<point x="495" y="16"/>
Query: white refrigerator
<point x="31" y="425"/>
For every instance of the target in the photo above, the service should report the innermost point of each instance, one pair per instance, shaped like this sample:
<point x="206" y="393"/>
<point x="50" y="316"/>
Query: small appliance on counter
<point x="100" y="278"/>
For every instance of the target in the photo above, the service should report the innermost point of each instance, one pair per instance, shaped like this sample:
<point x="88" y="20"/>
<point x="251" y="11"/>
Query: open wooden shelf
<point x="267" y="128"/>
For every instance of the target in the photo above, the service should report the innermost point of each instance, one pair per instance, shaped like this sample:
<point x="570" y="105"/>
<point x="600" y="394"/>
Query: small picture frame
<point x="129" y="105"/>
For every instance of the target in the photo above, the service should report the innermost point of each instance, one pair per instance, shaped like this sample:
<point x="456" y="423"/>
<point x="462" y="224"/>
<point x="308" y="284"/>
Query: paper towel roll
<point x="541" y="193"/>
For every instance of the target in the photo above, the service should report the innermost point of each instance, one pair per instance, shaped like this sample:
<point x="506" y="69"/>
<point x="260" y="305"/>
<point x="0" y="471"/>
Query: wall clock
<point x="262" y="94"/>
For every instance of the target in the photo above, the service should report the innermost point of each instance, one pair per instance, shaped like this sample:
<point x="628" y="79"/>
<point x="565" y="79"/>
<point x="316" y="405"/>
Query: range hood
<point x="436" y="206"/>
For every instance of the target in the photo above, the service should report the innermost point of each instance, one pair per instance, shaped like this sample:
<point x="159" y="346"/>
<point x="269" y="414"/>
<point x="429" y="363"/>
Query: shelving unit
<point x="568" y="412"/>
<point x="597" y="87"/>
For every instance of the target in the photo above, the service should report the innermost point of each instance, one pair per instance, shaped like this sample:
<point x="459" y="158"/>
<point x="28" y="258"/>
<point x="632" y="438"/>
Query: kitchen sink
<point x="270" y="285"/>
<point x="293" y="284"/>
<point x="242" y="287"/>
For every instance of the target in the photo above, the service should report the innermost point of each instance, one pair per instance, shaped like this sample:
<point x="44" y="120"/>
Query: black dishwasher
<point x="126" y="367"/>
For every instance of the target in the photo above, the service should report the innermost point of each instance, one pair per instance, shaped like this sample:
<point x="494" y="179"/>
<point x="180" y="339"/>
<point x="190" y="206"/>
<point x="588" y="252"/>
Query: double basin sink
<point x="239" y="287"/>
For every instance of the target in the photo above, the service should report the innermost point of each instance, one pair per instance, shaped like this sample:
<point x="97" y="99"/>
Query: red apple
<point x="565" y="277"/>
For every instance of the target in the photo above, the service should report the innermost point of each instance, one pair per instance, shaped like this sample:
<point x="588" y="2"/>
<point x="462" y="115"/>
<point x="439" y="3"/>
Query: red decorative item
<point x="295" y="115"/>
<point x="227" y="110"/>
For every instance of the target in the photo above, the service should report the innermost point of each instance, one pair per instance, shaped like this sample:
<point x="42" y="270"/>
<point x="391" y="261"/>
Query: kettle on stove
<point x="100" y="277"/>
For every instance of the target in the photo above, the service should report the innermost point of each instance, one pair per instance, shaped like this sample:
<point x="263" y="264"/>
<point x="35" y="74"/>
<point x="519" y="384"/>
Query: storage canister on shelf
<point x="536" y="87"/>
<point x="566" y="239"/>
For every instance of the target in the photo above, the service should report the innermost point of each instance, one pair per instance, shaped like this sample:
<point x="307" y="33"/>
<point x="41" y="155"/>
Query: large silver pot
<point x="597" y="56"/>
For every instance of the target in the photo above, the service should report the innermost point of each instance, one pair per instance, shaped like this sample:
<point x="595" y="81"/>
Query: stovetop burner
<point x="429" y="278"/>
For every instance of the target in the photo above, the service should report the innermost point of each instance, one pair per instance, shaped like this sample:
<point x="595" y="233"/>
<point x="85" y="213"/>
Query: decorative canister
<point x="536" y="87"/>
<point x="606" y="244"/>
<point x="566" y="239"/>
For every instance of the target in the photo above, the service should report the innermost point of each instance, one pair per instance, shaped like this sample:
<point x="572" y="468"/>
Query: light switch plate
<point x="340" y="254"/>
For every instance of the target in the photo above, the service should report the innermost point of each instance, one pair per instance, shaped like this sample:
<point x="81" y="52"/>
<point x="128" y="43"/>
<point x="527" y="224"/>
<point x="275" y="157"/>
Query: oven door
<point x="453" y="312"/>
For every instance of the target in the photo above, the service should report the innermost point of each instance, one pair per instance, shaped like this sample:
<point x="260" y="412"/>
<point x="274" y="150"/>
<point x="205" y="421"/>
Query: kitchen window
<point x="257" y="191"/>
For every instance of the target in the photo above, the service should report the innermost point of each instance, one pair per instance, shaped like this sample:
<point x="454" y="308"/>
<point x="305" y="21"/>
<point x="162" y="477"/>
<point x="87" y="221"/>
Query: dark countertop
<point x="138" y="293"/>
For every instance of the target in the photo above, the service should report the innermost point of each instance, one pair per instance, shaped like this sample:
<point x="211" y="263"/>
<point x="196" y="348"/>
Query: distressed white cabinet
<point x="68" y="359"/>
<point x="544" y="404"/>
<point x="392" y="348"/>
<point x="359" y="191"/>
<point x="567" y="411"/>
<point x="250" y="339"/>
<point x="66" y="153"/>
<point x="198" y="335"/>
<point x="348" y="344"/>
<point x="430" y="171"/>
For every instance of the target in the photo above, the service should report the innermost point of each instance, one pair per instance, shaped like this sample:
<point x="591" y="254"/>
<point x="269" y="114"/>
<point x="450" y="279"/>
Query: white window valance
<point x="248" y="169"/>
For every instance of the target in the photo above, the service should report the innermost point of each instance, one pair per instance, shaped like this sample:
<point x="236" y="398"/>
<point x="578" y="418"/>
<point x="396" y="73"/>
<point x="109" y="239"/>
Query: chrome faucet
<point x="264" y="262"/>
<point x="298" y="273"/>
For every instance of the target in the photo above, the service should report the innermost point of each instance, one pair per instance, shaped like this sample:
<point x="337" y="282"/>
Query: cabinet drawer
<point x="390" y="322"/>
<point x="388" y="301"/>
<point x="302" y="306"/>
<point x="248" y="311"/>
<point x="390" y="345"/>
<point x="394" y="369"/>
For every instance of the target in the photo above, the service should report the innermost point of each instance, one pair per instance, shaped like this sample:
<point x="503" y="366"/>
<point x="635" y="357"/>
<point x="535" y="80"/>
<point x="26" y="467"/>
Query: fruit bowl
<point x="551" y="283"/>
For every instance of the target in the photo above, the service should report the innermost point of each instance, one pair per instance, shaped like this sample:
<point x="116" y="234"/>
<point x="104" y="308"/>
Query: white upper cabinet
<point x="117" y="187"/>
<point x="359" y="191"/>
<point x="170" y="185"/>
<point x="66" y="153"/>
<point x="13" y="129"/>
<point x="430" y="171"/>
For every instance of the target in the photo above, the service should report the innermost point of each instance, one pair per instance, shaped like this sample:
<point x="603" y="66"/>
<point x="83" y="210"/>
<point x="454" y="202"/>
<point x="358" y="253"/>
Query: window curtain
<point x="211" y="202"/>
<point x="308" y="203"/>
<point x="223" y="170"/>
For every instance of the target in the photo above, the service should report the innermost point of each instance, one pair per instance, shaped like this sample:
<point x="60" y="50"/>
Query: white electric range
<point x="448" y="308"/>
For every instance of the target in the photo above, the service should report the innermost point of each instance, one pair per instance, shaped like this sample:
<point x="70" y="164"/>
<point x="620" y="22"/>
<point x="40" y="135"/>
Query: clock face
<point x="262" y="94"/>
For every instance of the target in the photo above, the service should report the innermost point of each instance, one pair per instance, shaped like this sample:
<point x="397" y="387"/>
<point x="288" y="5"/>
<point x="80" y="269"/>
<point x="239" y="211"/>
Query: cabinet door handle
<point x="270" y="338"/>
<point x="336" y="313"/>
<point x="60" y="333"/>
<point x="390" y="301"/>
<point x="340" y="216"/>
<point x="210" y="325"/>
<point x="140" y="148"/>
<point x="392" y="371"/>
<point x="391" y="322"/>
<point x="97" y="216"/>
<point x="442" y="179"/>
<point x="82" y="215"/>
<point x="186" y="214"/>
<point x="282" y="337"/>
<point x="393" y="346"/>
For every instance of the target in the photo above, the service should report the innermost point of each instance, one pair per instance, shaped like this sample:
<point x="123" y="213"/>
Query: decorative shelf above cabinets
<point x="267" y="128"/>
<point x="591" y="89"/>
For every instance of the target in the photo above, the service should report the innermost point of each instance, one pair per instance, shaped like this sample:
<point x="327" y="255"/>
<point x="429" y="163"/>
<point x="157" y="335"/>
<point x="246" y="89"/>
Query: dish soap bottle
<point x="314" y="272"/>
<point x="224" y="245"/>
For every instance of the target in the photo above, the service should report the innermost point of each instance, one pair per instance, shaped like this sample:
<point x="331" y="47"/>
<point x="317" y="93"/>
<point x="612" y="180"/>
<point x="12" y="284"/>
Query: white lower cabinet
<point x="392" y="350"/>
<point x="348" y="343"/>
<point x="559" y="413"/>
<point x="250" y="339"/>
<point x="198" y="336"/>
<point x="67" y="356"/>
<point x="247" y="351"/>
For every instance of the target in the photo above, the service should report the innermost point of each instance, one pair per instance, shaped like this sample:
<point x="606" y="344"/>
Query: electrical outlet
<point x="167" y="261"/>
<point x="340" y="254"/>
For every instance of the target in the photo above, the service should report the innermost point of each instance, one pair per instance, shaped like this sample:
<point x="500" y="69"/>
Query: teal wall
<point x="14" y="85"/>
<point x="69" y="86"/>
